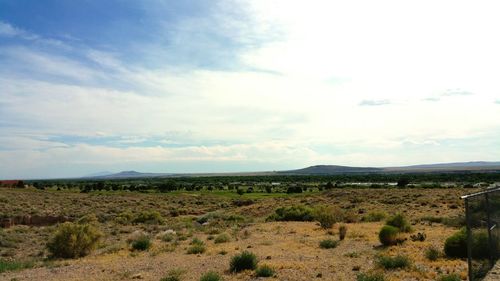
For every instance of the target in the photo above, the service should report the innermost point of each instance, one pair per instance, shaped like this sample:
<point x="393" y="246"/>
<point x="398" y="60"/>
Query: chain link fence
<point x="482" y="212"/>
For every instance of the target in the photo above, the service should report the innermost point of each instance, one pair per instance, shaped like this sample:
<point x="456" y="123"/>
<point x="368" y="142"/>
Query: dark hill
<point x="332" y="170"/>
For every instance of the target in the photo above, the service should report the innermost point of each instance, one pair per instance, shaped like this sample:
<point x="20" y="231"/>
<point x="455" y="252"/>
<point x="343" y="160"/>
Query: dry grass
<point x="291" y="248"/>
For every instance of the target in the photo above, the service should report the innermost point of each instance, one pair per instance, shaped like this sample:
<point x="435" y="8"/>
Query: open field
<point x="290" y="247"/>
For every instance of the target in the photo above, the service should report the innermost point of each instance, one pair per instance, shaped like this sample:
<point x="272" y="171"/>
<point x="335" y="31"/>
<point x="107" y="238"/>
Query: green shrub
<point x="449" y="277"/>
<point x="327" y="216"/>
<point x="388" y="235"/>
<point x="211" y="276"/>
<point x="264" y="271"/>
<point x="141" y="243"/>
<point x="455" y="246"/>
<point x="72" y="240"/>
<point x="6" y="265"/>
<point x="328" y="244"/>
<point x="400" y="222"/>
<point x="173" y="275"/>
<point x="149" y="217"/>
<point x="197" y="241"/>
<point x="222" y="238"/>
<point x="196" y="249"/>
<point x="374" y="217"/>
<point x="393" y="262"/>
<point x="124" y="217"/>
<point x="243" y="261"/>
<point x="432" y="253"/>
<point x="370" y="277"/>
<point x="432" y="219"/>
<point x="342" y="231"/>
<point x="168" y="237"/>
<point x="293" y="213"/>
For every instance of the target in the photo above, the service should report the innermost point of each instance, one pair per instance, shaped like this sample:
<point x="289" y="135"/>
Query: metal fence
<point x="482" y="213"/>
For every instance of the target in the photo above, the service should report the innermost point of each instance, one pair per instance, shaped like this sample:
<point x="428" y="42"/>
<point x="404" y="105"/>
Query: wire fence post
<point x="469" y="239"/>
<point x="490" y="238"/>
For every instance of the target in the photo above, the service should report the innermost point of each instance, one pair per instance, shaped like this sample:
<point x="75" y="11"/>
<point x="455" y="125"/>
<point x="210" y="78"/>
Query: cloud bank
<point x="249" y="86"/>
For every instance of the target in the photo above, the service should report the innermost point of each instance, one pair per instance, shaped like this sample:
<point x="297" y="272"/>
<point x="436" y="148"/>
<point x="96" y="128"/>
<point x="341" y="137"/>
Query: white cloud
<point x="307" y="68"/>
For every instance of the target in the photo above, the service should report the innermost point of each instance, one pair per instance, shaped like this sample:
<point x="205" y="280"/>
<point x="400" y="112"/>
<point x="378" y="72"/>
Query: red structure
<point x="11" y="183"/>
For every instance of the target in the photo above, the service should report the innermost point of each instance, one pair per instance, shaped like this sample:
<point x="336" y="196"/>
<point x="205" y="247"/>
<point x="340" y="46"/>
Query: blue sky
<point x="225" y="86"/>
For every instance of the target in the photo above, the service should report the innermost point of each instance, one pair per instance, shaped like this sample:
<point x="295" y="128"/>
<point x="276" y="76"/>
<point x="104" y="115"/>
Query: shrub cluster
<point x="389" y="233"/>
<point x="73" y="240"/>
<point x="455" y="246"/>
<point x="173" y="275"/>
<point x="432" y="253"/>
<point x="7" y="265"/>
<point x="264" y="271"/>
<point x="222" y="238"/>
<point x="328" y="244"/>
<point x="393" y="262"/>
<point x="141" y="243"/>
<point x="211" y="276"/>
<point x="149" y="217"/>
<point x="374" y="217"/>
<point x="327" y="216"/>
<point x="400" y="222"/>
<point x="292" y="213"/>
<point x="243" y="261"/>
<point x="197" y="247"/>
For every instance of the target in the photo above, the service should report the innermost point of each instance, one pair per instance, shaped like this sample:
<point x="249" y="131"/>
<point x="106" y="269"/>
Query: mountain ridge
<point x="472" y="166"/>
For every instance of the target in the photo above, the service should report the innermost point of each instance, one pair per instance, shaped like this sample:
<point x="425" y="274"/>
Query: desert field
<point x="191" y="233"/>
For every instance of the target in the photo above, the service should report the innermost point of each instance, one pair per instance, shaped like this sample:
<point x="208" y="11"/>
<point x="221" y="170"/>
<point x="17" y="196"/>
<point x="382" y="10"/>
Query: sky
<point x="231" y="86"/>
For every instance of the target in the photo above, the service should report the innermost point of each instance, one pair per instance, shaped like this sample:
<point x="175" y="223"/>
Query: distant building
<point x="11" y="183"/>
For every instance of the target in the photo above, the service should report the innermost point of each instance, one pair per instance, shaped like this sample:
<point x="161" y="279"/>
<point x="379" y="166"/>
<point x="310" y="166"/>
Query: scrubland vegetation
<point x="208" y="229"/>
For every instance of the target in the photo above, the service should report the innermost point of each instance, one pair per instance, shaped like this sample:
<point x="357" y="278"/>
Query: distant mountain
<point x="450" y="167"/>
<point x="458" y="165"/>
<point x="478" y="166"/>
<point x="130" y="174"/>
<point x="332" y="170"/>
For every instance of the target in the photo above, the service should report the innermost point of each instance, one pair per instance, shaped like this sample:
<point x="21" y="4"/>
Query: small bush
<point x="370" y="277"/>
<point x="211" y="276"/>
<point x="173" y="275"/>
<point x="73" y="240"/>
<point x="393" y="262"/>
<point x="328" y="244"/>
<point x="327" y="216"/>
<point x="342" y="231"/>
<point x="400" y="222"/>
<point x="142" y="243"/>
<point x="264" y="271"/>
<point x="149" y="217"/>
<point x="196" y="249"/>
<point x="168" y="237"/>
<point x="455" y="246"/>
<point x="243" y="261"/>
<point x="388" y="235"/>
<point x="293" y="213"/>
<point x="124" y="217"/>
<point x="222" y="238"/>
<point x="374" y="217"/>
<point x="432" y="253"/>
<point x="449" y="277"/>
<point x="6" y="265"/>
